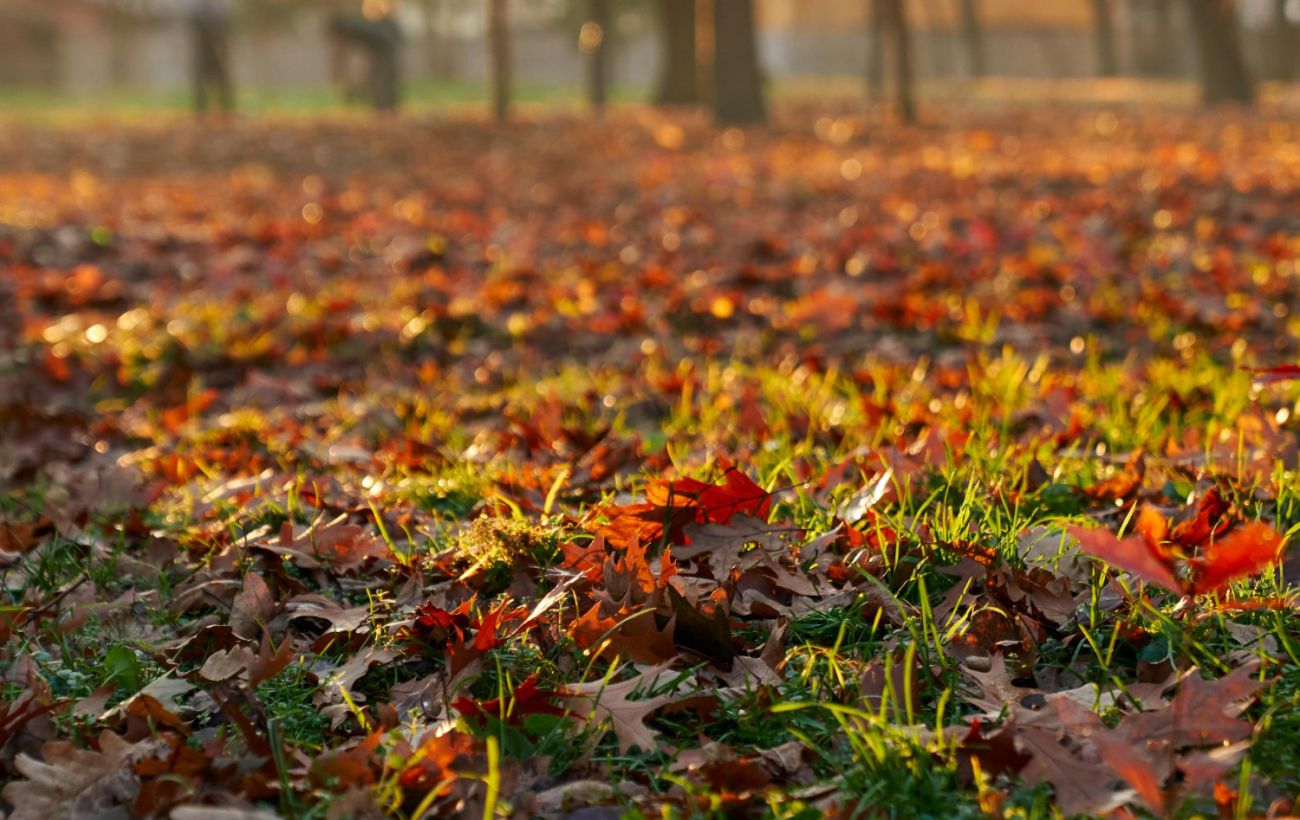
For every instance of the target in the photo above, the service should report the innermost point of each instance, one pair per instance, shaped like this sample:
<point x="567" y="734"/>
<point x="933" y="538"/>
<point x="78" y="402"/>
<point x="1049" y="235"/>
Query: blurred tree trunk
<point x="1285" y="42"/>
<point x="678" y="79"/>
<point x="1155" y="49"/>
<point x="593" y="41"/>
<point x="211" y="74"/>
<point x="442" y="60"/>
<point x="499" y="57"/>
<point x="1222" y="68"/>
<point x="737" y="82"/>
<point x="893" y="20"/>
<point x="1103" y="26"/>
<point x="120" y="46"/>
<point x="972" y="36"/>
<point x="875" y="49"/>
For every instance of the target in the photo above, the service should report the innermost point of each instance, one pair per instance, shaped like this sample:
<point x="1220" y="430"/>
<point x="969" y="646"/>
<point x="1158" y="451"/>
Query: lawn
<point x="637" y="468"/>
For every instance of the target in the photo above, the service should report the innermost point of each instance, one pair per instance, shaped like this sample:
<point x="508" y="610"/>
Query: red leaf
<point x="1134" y="554"/>
<point x="1277" y="373"/>
<point x="1123" y="484"/>
<point x="1248" y="550"/>
<point x="1152" y="526"/>
<point x="714" y="503"/>
<point x="1207" y="523"/>
<point x="526" y="699"/>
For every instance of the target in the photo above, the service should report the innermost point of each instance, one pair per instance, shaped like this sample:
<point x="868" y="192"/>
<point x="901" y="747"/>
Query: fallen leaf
<point x="614" y="702"/>
<point x="1246" y="550"/>
<point x="1132" y="554"/>
<point x="72" y="782"/>
<point x="253" y="607"/>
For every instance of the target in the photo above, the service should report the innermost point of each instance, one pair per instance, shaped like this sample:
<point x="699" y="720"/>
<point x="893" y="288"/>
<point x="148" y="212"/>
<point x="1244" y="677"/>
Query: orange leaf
<point x="1134" y="554"/>
<point x="1207" y="523"/>
<point x="633" y="635"/>
<point x="1248" y="550"/>
<point x="1152" y="526"/>
<point x="1123" y="484"/>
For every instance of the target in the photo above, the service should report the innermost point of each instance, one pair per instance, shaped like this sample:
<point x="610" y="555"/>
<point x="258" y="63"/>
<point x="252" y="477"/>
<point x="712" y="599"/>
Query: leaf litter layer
<point x="424" y="469"/>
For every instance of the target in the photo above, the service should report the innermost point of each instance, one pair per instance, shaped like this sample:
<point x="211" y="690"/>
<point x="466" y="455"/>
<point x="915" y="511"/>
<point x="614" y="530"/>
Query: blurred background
<point x="268" y="54"/>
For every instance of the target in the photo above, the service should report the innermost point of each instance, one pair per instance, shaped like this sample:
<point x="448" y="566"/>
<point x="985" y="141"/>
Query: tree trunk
<point x="972" y="36"/>
<point x="1103" y="27"/>
<point x="1155" y="50"/>
<point x="678" y="79"/>
<point x="1284" y="41"/>
<point x="499" y="57"/>
<point x="211" y="59"/>
<point x="899" y="36"/>
<point x="442" y="62"/>
<point x="737" y="83"/>
<point x="1218" y="49"/>
<point x="875" y="49"/>
<point x="593" y="41"/>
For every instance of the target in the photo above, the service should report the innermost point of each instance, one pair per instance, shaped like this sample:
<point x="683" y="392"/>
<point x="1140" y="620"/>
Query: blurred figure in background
<point x="375" y="35"/>
<point x="210" y="27"/>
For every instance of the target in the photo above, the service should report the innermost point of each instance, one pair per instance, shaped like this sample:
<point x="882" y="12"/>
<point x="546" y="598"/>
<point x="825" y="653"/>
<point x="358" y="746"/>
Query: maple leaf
<point x="1152" y="526"/>
<point x="354" y="765"/>
<point x="489" y="633"/>
<point x="434" y="626"/>
<point x="72" y="782"/>
<point x="1134" y="764"/>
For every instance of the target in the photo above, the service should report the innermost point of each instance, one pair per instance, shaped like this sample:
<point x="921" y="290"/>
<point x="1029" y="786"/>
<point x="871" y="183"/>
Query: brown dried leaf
<point x="72" y="782"/>
<point x="613" y="701"/>
<point x="253" y="607"/>
<point x="1081" y="787"/>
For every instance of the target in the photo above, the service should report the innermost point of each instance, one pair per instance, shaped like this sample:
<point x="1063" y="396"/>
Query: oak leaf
<point x="613" y="702"/>
<point x="744" y="543"/>
<point x="71" y="782"/>
<point x="253" y="607"/>
<point x="631" y="634"/>
<point x="1133" y="554"/>
<point x="1247" y="550"/>
<point x="1081" y="787"/>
